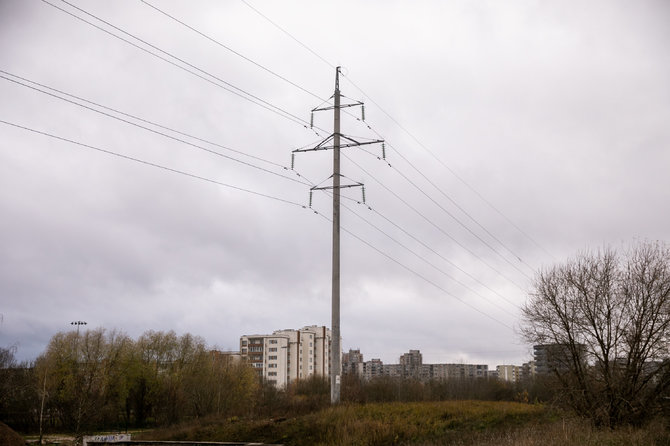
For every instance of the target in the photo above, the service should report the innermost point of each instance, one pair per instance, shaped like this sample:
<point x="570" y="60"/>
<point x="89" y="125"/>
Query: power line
<point x="432" y="223"/>
<point x="219" y="183"/>
<point x="456" y="219"/>
<point x="227" y="86"/>
<point x="477" y="193"/>
<point x="172" y="56"/>
<point x="79" y="98"/>
<point x="406" y="160"/>
<point x="450" y="170"/>
<point x="431" y="249"/>
<point x="237" y="53"/>
<point x="288" y="34"/>
<point x="214" y="152"/>
<point x="425" y="245"/>
<point x="301" y="88"/>
<point x="423" y="259"/>
<point x="460" y="208"/>
<point x="149" y="163"/>
<point x="460" y="222"/>
<point x="421" y="276"/>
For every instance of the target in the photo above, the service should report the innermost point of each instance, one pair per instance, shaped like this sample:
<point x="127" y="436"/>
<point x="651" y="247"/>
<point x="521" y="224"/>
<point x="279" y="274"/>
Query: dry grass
<point x="420" y="424"/>
<point x="571" y="432"/>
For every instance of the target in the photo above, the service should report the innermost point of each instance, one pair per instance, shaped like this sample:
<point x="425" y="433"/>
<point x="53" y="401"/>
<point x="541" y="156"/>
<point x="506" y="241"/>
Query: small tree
<point x="608" y="313"/>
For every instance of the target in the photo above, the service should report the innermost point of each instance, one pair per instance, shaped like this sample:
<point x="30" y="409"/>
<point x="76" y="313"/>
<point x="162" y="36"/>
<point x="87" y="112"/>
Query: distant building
<point x="528" y="370"/>
<point x="288" y="355"/>
<point x="227" y="358"/>
<point x="373" y="369"/>
<point x="556" y="358"/>
<point x="352" y="363"/>
<point x="410" y="365"/>
<point x="510" y="373"/>
<point x="412" y="359"/>
<point x="459" y="371"/>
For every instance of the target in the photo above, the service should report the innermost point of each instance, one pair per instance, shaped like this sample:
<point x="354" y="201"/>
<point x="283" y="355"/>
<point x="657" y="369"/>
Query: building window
<point x="272" y="366"/>
<point x="244" y="342"/>
<point x="272" y="358"/>
<point x="272" y="373"/>
<point x="256" y="349"/>
<point x="273" y="349"/>
<point x="273" y="341"/>
<point x="244" y="350"/>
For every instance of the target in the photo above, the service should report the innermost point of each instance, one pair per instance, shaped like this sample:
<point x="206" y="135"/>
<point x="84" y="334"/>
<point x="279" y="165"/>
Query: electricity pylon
<point x="334" y="142"/>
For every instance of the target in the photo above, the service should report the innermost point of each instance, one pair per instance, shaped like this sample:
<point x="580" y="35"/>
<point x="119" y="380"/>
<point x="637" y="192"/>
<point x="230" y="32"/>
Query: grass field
<point x="421" y="424"/>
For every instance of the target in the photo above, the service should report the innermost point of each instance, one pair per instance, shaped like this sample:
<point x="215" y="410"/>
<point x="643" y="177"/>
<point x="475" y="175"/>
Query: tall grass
<point x="420" y="424"/>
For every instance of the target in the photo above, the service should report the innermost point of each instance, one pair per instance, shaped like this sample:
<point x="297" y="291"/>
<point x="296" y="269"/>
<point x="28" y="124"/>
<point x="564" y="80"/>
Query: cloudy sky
<point x="145" y="178"/>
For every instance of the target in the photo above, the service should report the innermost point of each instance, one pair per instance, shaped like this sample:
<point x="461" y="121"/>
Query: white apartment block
<point x="511" y="373"/>
<point x="288" y="355"/>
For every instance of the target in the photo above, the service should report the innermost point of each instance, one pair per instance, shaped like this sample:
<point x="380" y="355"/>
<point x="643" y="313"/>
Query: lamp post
<point x="76" y="339"/>
<point x="78" y="324"/>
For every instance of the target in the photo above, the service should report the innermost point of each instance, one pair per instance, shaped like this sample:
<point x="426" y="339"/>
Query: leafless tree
<point x="607" y="314"/>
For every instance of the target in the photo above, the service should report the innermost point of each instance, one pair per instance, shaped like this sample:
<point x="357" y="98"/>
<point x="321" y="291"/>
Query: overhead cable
<point x="241" y="189"/>
<point x="428" y="262"/>
<point x="174" y="138"/>
<point x="288" y="34"/>
<point x="421" y="276"/>
<point x="215" y="80"/>
<point x="237" y="53"/>
<point x="432" y="223"/>
<point x="411" y="135"/>
<point x="149" y="163"/>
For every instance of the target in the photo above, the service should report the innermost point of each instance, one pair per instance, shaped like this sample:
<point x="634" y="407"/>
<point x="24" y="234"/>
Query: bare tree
<point x="608" y="314"/>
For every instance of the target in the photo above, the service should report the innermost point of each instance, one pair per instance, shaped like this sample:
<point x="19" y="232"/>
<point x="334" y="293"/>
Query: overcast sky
<point x="517" y="133"/>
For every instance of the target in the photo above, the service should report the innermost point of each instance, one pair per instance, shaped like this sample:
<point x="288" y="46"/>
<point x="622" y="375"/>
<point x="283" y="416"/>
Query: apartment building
<point x="528" y="370"/>
<point x="448" y="371"/>
<point x="509" y="372"/>
<point x="352" y="363"/>
<point x="288" y="355"/>
<point x="557" y="358"/>
<point x="373" y="369"/>
<point x="412" y="359"/>
<point x="410" y="365"/>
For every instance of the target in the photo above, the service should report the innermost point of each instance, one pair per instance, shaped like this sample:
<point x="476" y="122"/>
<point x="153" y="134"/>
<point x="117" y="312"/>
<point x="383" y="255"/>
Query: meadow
<point x="420" y="424"/>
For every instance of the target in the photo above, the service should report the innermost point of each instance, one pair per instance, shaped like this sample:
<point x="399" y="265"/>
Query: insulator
<point x="310" y="198"/>
<point x="383" y="151"/>
<point x="311" y="120"/>
<point x="363" y="188"/>
<point x="363" y="112"/>
<point x="292" y="161"/>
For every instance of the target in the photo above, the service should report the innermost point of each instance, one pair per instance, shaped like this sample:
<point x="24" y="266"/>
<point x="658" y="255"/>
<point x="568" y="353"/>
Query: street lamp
<point x="78" y="324"/>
